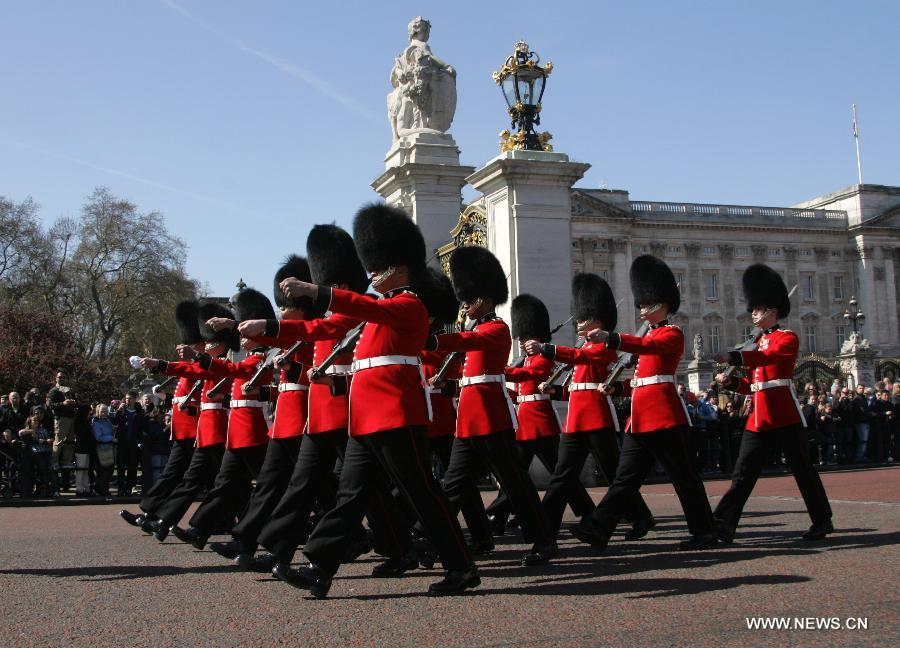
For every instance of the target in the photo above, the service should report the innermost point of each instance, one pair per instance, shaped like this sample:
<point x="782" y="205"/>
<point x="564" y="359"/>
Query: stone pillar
<point x="700" y="374"/>
<point x="728" y="301"/>
<point x="892" y="342"/>
<point x="858" y="365"/>
<point x="692" y="298"/>
<point x="865" y="272"/>
<point x="791" y="279"/>
<point x="527" y="196"/>
<point x="620" y="263"/>
<point x="423" y="177"/>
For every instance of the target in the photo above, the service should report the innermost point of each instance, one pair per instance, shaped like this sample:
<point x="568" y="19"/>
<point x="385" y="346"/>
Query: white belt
<point x="383" y="361"/>
<point x="532" y="397"/>
<point x="211" y="406"/>
<point x="652" y="380"/>
<point x="434" y="390"/>
<point x="288" y="387"/>
<point x="482" y="379"/>
<point x="583" y="386"/>
<point x="178" y="400"/>
<point x="338" y="369"/>
<point x="769" y="384"/>
<point x="247" y="403"/>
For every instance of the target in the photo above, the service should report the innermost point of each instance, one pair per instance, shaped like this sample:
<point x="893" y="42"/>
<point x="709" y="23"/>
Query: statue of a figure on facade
<point x="855" y="343"/>
<point x="424" y="96"/>
<point x="698" y="347"/>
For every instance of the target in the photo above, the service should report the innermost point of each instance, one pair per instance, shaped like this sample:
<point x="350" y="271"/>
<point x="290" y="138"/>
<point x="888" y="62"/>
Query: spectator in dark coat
<point x="843" y="419"/>
<point x="84" y="450"/>
<point x="130" y="424"/>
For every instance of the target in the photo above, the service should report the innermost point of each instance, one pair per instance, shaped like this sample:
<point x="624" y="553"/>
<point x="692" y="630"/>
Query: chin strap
<point x="384" y="275"/>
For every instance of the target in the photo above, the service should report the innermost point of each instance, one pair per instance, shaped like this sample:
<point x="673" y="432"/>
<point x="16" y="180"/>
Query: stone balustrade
<point x="828" y="216"/>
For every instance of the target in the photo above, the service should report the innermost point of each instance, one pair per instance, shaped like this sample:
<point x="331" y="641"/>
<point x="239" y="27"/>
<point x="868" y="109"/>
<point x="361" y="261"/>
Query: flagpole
<point x="856" y="137"/>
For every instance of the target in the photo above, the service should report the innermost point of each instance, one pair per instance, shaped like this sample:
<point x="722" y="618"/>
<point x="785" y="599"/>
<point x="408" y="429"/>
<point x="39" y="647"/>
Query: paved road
<point x="80" y="576"/>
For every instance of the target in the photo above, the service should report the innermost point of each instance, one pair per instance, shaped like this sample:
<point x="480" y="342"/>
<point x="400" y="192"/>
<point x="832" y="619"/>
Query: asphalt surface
<point x="80" y="576"/>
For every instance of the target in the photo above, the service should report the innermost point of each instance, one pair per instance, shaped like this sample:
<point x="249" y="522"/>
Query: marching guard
<point x="658" y="427"/>
<point x="486" y="420"/>
<point x="184" y="425"/>
<point x="389" y="410"/>
<point x="775" y="418"/>
<point x="591" y="423"/>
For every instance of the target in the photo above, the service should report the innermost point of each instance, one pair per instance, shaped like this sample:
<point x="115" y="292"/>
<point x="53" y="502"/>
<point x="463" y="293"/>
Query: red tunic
<point x="291" y="407"/>
<point x="775" y="407"/>
<point x="536" y="418"/>
<point x="655" y="407"/>
<point x="443" y="420"/>
<point x="393" y="395"/>
<point x="213" y="426"/>
<point x="483" y="408"/>
<point x="325" y="412"/>
<point x="247" y="426"/>
<point x="588" y="408"/>
<point x="185" y="415"/>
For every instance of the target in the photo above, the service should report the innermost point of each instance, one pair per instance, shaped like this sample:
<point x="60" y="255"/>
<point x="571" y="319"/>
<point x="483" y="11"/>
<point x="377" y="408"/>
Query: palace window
<point x="808" y="285"/>
<point x="837" y="287"/>
<point x="840" y="336"/>
<point x="810" y="333"/>
<point x="806" y="252"/>
<point x="679" y="281"/>
<point x="712" y="337"/>
<point x="709" y="250"/>
<point x="711" y="285"/>
<point x="748" y="331"/>
<point x="742" y="251"/>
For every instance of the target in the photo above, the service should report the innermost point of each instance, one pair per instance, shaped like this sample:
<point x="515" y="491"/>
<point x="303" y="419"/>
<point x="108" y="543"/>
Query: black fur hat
<point x="475" y="273"/>
<point x="333" y="260"/>
<point x="592" y="298"/>
<point x="436" y="292"/>
<point x="385" y="237"/>
<point x="765" y="287"/>
<point x="297" y="267"/>
<point x="530" y="319"/>
<point x="186" y="321"/>
<point x="229" y="337"/>
<point x="251" y="304"/>
<point x="652" y="282"/>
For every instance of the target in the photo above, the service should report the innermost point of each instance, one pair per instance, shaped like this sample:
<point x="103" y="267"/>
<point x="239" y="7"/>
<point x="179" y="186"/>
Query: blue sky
<point x="245" y="123"/>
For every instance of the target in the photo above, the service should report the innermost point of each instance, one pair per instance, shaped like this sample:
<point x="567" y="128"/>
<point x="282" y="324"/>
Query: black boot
<point x="134" y="519"/>
<point x="481" y="547"/>
<point x="309" y="578"/>
<point x="819" y="530"/>
<point x="640" y="528"/>
<point x="497" y="524"/>
<point x="265" y="562"/>
<point x="395" y="567"/>
<point x="592" y="533"/>
<point x="192" y="536"/>
<point x="161" y="530"/>
<point x="725" y="531"/>
<point x="540" y="554"/>
<point x="229" y="550"/>
<point x="455" y="582"/>
<point x="697" y="542"/>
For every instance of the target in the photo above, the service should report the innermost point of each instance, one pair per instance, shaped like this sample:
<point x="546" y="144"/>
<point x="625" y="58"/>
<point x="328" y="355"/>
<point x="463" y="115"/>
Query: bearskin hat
<point x="186" y="321"/>
<point x="592" y="298"/>
<point x="764" y="287"/>
<point x="333" y="260"/>
<point x="652" y="282"/>
<point x="297" y="267"/>
<point x="530" y="319"/>
<point x="475" y="273"/>
<point x="251" y="304"/>
<point x="229" y="337"/>
<point x="436" y="292"/>
<point x="385" y="237"/>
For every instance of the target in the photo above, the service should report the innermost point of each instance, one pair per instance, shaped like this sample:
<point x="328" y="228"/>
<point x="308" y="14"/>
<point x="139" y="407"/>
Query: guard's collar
<point x="662" y="322"/>
<point x="774" y="327"/>
<point x="488" y="317"/>
<point x="396" y="291"/>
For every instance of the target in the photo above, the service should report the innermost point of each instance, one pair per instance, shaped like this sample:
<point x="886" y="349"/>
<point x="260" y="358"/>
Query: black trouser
<point x="573" y="451"/>
<point x="231" y="491"/>
<point x="756" y="447"/>
<point x="200" y="476"/>
<point x="498" y="449"/>
<point x="313" y="479"/>
<point x="401" y="455"/>
<point x="176" y="466"/>
<point x="273" y="479"/>
<point x="127" y="459"/>
<point x="440" y="447"/>
<point x="639" y="454"/>
<point x="547" y="450"/>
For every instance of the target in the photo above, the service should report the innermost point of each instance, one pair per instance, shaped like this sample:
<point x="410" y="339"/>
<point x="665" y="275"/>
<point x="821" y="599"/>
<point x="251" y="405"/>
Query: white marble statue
<point x="424" y="96"/>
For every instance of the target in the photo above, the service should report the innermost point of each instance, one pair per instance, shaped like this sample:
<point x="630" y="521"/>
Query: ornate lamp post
<point x="523" y="81"/>
<point x="854" y="315"/>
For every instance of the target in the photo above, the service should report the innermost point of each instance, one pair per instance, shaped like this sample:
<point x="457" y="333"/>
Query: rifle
<point x="452" y="357"/>
<point x="339" y="349"/>
<point x="191" y="395"/>
<point x="165" y="383"/>
<point x="625" y="359"/>
<point x="215" y="389"/>
<point x="561" y="367"/>
<point x="254" y="381"/>
<point x="750" y="344"/>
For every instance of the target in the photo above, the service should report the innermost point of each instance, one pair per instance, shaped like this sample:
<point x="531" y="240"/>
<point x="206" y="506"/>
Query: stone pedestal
<point x="700" y="374"/>
<point x="527" y="199"/>
<point x="424" y="178"/>
<point x="858" y="365"/>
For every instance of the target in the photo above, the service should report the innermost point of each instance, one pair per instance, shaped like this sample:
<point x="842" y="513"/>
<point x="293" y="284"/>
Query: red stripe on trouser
<point x="437" y="498"/>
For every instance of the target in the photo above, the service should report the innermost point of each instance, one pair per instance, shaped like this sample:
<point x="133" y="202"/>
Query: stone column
<point x="858" y="364"/>
<point x="892" y="341"/>
<point x="791" y="279"/>
<point x="529" y="217"/>
<point x="423" y="177"/>
<point x="692" y="298"/>
<point x="729" y="310"/>
<point x="700" y="374"/>
<point x="865" y="272"/>
<point x="620" y="263"/>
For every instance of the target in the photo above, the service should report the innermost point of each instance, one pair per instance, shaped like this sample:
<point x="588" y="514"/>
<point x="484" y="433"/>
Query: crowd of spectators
<point x="53" y="442"/>
<point x="843" y="425"/>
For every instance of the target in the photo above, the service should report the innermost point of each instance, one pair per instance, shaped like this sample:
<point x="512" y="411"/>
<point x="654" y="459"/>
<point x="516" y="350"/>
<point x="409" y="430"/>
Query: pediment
<point x="586" y="205"/>
<point x="890" y="218"/>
